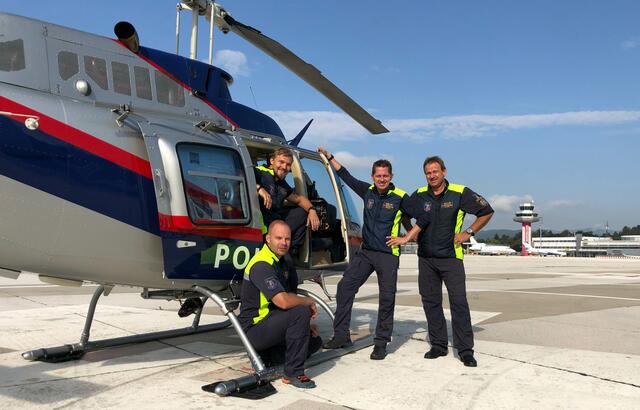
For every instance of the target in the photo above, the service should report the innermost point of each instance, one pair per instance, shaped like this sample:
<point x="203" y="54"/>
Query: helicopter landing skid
<point x="75" y="351"/>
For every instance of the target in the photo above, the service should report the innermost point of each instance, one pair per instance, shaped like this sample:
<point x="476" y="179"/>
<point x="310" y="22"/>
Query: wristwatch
<point x="470" y="231"/>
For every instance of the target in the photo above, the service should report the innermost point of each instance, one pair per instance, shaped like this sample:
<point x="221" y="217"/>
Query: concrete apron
<point x="169" y="373"/>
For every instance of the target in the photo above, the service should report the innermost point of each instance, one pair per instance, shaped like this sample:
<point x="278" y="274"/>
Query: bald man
<point x="275" y="319"/>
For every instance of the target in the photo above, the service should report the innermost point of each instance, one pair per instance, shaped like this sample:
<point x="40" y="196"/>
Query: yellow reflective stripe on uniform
<point x="263" y="228"/>
<point x="264" y="255"/>
<point x="456" y="188"/>
<point x="394" y="232"/>
<point x="265" y="169"/>
<point x="457" y="246"/>
<point x="398" y="192"/>
<point x="263" y="310"/>
<point x="395" y="228"/>
<point x="423" y="189"/>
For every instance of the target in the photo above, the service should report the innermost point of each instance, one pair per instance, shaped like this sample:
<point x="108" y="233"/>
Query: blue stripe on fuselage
<point x="61" y="169"/>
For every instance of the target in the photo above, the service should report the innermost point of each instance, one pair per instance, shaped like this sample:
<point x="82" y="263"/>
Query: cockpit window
<point x="143" y="82"/>
<point x="67" y="64"/>
<point x="121" y="79"/>
<point x="96" y="69"/>
<point x="12" y="55"/>
<point x="214" y="183"/>
<point x="168" y="91"/>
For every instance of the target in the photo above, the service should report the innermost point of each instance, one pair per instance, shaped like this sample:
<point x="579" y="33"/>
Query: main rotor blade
<point x="306" y="71"/>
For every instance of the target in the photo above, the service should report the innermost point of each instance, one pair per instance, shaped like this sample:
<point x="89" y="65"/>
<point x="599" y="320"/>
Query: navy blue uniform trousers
<point x="290" y="326"/>
<point x="431" y="273"/>
<point x="356" y="274"/>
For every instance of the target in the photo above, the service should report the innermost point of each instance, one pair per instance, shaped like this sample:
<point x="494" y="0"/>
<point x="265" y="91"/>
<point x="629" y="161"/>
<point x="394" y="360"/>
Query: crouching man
<point x="275" y="319"/>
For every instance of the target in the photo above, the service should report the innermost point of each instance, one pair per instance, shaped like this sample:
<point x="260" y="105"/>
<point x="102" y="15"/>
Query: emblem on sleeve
<point x="480" y="200"/>
<point x="271" y="283"/>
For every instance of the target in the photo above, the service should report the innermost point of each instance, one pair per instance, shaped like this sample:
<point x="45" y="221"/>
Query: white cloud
<point x="561" y="203"/>
<point x="351" y="161"/>
<point x="470" y="126"/>
<point x="327" y="127"/>
<point x="633" y="42"/>
<point x="332" y="126"/>
<point x="234" y="62"/>
<point x="508" y="203"/>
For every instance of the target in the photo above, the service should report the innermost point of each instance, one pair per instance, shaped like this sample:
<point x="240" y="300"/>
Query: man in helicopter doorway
<point x="274" y="190"/>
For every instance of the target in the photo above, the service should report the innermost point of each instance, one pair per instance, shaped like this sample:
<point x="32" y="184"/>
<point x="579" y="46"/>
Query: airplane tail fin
<point x="473" y="240"/>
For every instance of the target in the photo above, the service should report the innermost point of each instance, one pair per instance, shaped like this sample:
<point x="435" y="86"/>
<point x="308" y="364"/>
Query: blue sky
<point x="523" y="100"/>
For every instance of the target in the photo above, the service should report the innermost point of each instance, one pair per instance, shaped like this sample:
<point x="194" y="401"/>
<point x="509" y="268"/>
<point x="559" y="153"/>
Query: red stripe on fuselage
<point x="185" y="86"/>
<point x="183" y="224"/>
<point x="80" y="139"/>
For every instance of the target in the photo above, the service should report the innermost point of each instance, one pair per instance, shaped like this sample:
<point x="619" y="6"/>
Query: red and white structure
<point x="526" y="217"/>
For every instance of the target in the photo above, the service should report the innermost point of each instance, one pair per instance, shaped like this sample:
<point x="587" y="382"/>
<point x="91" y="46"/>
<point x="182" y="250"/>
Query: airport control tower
<point x="526" y="217"/>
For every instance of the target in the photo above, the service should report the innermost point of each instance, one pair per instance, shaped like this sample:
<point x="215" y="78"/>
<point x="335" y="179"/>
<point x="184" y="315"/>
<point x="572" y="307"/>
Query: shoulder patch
<point x="271" y="282"/>
<point x="480" y="200"/>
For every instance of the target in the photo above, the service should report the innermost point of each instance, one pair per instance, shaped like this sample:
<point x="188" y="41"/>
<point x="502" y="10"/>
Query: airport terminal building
<point x="590" y="246"/>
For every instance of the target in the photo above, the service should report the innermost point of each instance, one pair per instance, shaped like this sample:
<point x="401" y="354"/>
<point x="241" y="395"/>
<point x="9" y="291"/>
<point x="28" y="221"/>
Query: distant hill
<point x="490" y="233"/>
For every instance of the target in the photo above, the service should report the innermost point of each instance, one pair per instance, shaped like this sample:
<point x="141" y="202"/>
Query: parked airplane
<point x="544" y="252"/>
<point x="485" y="249"/>
<point x="125" y="165"/>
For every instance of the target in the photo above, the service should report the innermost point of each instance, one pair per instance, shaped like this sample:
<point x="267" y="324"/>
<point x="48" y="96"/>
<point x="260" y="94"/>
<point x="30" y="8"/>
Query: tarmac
<point x="549" y="333"/>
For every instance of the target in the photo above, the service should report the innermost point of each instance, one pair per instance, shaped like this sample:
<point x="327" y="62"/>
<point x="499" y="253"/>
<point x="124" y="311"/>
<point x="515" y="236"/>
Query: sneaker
<point x="379" y="352"/>
<point x="468" y="360"/>
<point x="435" y="352"/>
<point x="190" y="306"/>
<point x="336" y="343"/>
<point x="301" y="382"/>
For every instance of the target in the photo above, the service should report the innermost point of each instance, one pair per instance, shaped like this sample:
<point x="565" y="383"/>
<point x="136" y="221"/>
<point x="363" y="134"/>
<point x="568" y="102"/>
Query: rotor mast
<point x="198" y="8"/>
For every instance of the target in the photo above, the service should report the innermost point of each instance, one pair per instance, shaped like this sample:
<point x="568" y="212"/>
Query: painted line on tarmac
<point x="566" y="294"/>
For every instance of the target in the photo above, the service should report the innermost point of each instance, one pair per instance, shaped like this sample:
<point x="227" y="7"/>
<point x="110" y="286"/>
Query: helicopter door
<point x="204" y="209"/>
<point x="328" y="246"/>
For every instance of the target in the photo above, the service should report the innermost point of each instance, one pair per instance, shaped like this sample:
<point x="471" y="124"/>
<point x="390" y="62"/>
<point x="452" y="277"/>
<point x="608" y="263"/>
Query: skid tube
<point x="77" y="350"/>
<point x="264" y="375"/>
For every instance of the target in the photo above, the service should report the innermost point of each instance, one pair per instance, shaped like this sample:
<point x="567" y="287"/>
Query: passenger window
<point x="143" y="82"/>
<point x="96" y="69"/>
<point x="214" y="183"/>
<point x="12" y="55"/>
<point x="67" y="64"/>
<point x="121" y="79"/>
<point x="168" y="91"/>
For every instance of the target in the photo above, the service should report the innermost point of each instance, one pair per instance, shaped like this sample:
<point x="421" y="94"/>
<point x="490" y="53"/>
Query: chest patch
<point x="388" y="206"/>
<point x="447" y="204"/>
<point x="427" y="206"/>
<point x="370" y="203"/>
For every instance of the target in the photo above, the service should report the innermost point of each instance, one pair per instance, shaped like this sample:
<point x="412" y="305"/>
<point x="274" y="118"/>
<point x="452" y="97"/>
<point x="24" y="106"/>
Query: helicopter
<point x="122" y="165"/>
